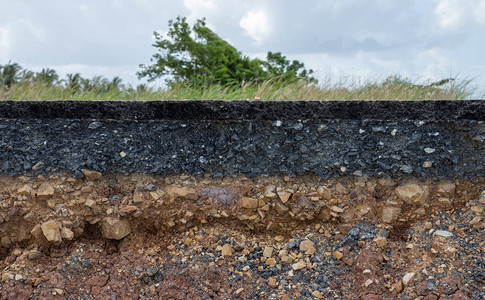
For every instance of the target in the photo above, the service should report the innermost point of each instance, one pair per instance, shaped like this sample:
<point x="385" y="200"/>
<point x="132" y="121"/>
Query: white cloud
<point x="457" y="14"/>
<point x="4" y="44"/>
<point x="256" y="24"/>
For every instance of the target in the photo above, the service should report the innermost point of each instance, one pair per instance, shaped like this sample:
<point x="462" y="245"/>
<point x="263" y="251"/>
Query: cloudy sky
<point x="370" y="39"/>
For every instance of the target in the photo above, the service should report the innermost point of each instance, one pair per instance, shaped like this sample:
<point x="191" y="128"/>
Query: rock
<point x="91" y="175"/>
<point x="182" y="192"/>
<point x="268" y="251"/>
<point x="271" y="262"/>
<point x="51" y="231"/>
<point x="337" y="254"/>
<point x="284" y="196"/>
<point x="368" y="282"/>
<point x="226" y="250"/>
<point x="380" y="241"/>
<point x="44" y="192"/>
<point x="298" y="266"/>
<point x="390" y="214"/>
<point x="407" y="278"/>
<point x="272" y="282"/>
<point x="446" y="188"/>
<point x="412" y="193"/>
<point x="324" y="193"/>
<point x="127" y="209"/>
<point x="25" y="190"/>
<point x="443" y="233"/>
<point x="337" y="209"/>
<point x="67" y="234"/>
<point x="317" y="295"/>
<point x="280" y="208"/>
<point x="38" y="166"/>
<point x="249" y="203"/>
<point x="306" y="245"/>
<point x="115" y="229"/>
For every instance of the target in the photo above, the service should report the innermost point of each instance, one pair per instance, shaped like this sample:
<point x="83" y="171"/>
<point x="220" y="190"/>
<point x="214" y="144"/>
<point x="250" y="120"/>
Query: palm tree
<point x="73" y="82"/>
<point x="48" y="76"/>
<point x="9" y="74"/>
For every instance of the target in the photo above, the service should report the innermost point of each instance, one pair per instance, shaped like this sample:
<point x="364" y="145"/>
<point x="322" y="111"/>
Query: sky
<point x="338" y="39"/>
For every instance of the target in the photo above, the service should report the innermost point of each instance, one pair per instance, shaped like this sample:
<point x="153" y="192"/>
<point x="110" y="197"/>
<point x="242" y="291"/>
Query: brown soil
<point x="189" y="238"/>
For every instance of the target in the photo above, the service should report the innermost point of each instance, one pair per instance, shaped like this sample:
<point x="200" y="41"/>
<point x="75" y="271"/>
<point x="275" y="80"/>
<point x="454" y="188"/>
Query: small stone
<point x="298" y="266"/>
<point x="412" y="193"/>
<point x="368" y="282"/>
<point x="271" y="262"/>
<point x="38" y="166"/>
<point x="429" y="150"/>
<point x="239" y="291"/>
<point x="67" y="234"/>
<point x="428" y="225"/>
<point x="427" y="164"/>
<point x="51" y="231"/>
<point x="155" y="196"/>
<point x="324" y="193"/>
<point x="18" y="277"/>
<point x="114" y="228"/>
<point x="284" y="196"/>
<point x="443" y="233"/>
<point x="337" y="209"/>
<point x="45" y="191"/>
<point x="272" y="282"/>
<point x="91" y="175"/>
<point x="268" y="251"/>
<point x="281" y="208"/>
<point x="390" y="214"/>
<point x="90" y="203"/>
<point x="279" y="238"/>
<point x="317" y="295"/>
<point x="127" y="209"/>
<point x="25" y="190"/>
<point x="407" y="278"/>
<point x="477" y="209"/>
<point x="249" y="203"/>
<point x="183" y="192"/>
<point x="306" y="245"/>
<point x="380" y="241"/>
<point x="226" y="250"/>
<point x="337" y="254"/>
<point x="122" y="154"/>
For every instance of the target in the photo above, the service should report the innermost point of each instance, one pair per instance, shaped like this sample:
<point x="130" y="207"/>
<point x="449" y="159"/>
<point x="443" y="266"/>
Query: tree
<point x="9" y="74"/>
<point x="200" y="56"/>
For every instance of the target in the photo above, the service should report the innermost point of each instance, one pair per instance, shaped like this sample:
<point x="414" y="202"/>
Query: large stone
<point x="91" y="175"/>
<point x="45" y="191"/>
<point x="412" y="193"/>
<point x="51" y="231"/>
<point x="249" y="203"/>
<point x="390" y="214"/>
<point x="182" y="192"/>
<point x="115" y="229"/>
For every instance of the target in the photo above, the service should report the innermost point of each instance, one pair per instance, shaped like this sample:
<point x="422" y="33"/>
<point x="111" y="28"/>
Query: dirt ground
<point x="391" y="254"/>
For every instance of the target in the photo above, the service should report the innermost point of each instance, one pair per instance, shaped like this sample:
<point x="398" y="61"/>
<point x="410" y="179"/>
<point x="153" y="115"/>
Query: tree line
<point x="193" y="55"/>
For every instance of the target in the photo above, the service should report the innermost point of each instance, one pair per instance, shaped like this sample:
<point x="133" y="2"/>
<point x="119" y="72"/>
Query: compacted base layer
<point x="137" y="236"/>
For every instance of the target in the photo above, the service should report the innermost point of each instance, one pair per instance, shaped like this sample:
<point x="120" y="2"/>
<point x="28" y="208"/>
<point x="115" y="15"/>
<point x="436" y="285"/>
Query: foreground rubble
<point x="130" y="237"/>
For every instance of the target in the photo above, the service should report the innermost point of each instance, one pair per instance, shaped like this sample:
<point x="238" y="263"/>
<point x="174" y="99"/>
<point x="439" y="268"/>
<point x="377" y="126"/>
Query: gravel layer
<point x="332" y="148"/>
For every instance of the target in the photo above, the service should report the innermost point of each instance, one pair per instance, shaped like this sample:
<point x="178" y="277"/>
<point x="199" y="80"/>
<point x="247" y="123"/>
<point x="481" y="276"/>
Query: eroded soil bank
<point x="184" y="237"/>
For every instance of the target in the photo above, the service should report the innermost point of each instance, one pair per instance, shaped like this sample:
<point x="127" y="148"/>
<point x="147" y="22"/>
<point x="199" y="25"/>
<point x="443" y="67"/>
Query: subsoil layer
<point x="266" y="238"/>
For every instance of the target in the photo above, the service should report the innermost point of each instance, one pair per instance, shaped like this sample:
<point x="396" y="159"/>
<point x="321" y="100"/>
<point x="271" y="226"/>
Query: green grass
<point x="392" y="88"/>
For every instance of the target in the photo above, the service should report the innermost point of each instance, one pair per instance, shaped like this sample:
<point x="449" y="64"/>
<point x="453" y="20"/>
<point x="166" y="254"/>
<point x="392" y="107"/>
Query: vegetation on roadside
<point x="197" y="64"/>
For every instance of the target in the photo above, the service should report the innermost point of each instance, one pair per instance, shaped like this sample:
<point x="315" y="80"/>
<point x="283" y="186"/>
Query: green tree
<point x="48" y="76"/>
<point x="200" y="56"/>
<point x="10" y="74"/>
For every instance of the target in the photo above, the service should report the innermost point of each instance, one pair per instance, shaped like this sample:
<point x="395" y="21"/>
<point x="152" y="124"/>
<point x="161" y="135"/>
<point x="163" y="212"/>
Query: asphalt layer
<point x="246" y="110"/>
